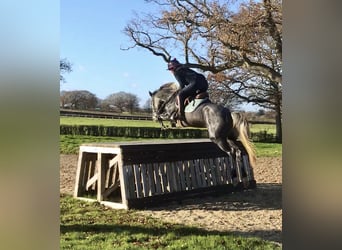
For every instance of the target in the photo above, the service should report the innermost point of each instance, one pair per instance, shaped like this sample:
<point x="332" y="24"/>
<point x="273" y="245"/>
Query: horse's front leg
<point x="161" y="123"/>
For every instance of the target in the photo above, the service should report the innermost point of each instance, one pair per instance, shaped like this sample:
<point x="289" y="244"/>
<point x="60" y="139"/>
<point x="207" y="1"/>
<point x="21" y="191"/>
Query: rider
<point x="189" y="81"/>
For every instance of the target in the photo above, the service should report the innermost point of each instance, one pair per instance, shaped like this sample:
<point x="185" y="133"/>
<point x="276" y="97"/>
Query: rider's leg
<point x="181" y="99"/>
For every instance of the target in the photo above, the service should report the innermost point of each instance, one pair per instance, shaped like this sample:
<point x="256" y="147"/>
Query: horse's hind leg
<point x="234" y="153"/>
<point x="223" y="144"/>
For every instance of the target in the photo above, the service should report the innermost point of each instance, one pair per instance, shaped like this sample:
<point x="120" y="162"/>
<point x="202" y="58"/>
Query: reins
<point x="166" y="102"/>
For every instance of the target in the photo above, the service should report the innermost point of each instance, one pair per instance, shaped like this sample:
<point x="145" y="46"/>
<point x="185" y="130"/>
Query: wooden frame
<point x="140" y="174"/>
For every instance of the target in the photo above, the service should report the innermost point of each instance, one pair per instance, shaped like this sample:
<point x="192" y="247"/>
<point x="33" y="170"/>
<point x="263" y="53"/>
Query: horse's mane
<point x="166" y="90"/>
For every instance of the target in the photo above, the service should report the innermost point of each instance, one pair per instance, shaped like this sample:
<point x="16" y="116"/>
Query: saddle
<point x="191" y="103"/>
<point x="199" y="95"/>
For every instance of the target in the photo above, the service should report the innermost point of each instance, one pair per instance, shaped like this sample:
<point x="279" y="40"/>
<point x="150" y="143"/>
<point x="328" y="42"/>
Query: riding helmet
<point x="173" y="64"/>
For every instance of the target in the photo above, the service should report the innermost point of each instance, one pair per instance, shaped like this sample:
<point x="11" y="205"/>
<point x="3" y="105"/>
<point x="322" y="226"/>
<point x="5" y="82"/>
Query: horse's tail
<point x="241" y="125"/>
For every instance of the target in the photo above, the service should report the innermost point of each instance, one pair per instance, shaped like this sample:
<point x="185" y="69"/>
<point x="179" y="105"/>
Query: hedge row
<point x="135" y="132"/>
<point x="148" y="132"/>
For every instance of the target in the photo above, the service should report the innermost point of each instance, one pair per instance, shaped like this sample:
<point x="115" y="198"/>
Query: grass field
<point x="107" y="122"/>
<point x="269" y="128"/>
<point x="93" y="226"/>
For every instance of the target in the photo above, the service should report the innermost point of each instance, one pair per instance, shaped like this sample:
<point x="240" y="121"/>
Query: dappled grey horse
<point x="224" y="128"/>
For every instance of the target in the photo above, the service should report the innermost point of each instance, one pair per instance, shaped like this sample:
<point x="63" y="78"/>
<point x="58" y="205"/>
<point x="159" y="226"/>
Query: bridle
<point x="162" y="107"/>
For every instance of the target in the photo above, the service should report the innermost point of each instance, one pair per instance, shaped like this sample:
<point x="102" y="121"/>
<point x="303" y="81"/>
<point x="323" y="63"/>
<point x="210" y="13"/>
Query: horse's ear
<point x="150" y="93"/>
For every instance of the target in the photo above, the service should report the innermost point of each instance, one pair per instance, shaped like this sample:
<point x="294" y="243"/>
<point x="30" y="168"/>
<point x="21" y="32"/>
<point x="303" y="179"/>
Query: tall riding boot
<point x="181" y="115"/>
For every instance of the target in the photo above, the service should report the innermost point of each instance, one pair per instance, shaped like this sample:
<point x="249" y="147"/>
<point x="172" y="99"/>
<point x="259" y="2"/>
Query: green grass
<point x="93" y="226"/>
<point x="107" y="122"/>
<point x="268" y="149"/>
<point x="269" y="128"/>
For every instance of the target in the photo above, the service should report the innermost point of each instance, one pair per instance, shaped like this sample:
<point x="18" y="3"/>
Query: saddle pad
<point x="194" y="104"/>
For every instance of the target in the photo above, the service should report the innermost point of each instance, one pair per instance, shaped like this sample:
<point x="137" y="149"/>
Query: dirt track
<point x="252" y="213"/>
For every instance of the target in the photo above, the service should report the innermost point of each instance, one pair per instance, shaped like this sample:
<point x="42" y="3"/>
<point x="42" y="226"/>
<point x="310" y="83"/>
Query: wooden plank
<point x="212" y="171"/>
<point x="91" y="181"/>
<point x="224" y="163"/>
<point x="98" y="149"/>
<point x="111" y="173"/>
<point x="187" y="175"/>
<point x="217" y="171"/>
<point x="144" y="179"/>
<point x="238" y="167"/>
<point x="162" y="168"/>
<point x="170" y="177"/>
<point x="175" y="174"/>
<point x="157" y="178"/>
<point x="150" y="176"/>
<point x="181" y="171"/>
<point x="193" y="175"/>
<point x="137" y="180"/>
<point x="113" y="161"/>
<point x="129" y="180"/>
<point x="246" y="166"/>
<point x="207" y="172"/>
<point x="223" y="175"/>
<point x="93" y="169"/>
<point x="109" y="169"/>
<point x="123" y="180"/>
<point x="110" y="189"/>
<point x="101" y="176"/>
<point x="230" y="168"/>
<point x="196" y="173"/>
<point x="91" y="172"/>
<point x="78" y="190"/>
<point x="202" y="174"/>
<point x="87" y="165"/>
<point x="220" y="170"/>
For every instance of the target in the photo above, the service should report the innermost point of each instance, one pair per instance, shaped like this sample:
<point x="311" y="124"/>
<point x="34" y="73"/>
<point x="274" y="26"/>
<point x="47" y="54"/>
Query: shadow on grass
<point x="179" y="231"/>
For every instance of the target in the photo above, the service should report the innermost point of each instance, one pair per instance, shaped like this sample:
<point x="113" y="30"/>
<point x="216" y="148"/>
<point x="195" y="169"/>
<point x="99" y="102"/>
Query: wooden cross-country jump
<point x="142" y="174"/>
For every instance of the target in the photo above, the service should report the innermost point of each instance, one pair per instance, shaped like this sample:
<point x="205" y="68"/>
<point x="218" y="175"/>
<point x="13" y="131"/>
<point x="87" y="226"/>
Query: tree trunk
<point x="279" y="134"/>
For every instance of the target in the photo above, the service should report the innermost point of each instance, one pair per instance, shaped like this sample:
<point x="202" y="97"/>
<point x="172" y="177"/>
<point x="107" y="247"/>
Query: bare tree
<point x="79" y="99"/>
<point x="121" y="102"/>
<point x="147" y="106"/>
<point x="219" y="96"/>
<point x="64" y="67"/>
<point x="243" y="47"/>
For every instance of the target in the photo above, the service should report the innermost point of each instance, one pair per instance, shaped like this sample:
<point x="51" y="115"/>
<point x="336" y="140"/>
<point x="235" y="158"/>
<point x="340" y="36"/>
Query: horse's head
<point x="160" y="99"/>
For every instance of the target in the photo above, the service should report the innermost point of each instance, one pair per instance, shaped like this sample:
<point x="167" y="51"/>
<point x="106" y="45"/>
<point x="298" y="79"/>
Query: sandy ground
<point x="251" y="213"/>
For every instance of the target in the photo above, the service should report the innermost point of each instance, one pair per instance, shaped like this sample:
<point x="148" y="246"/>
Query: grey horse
<point x="225" y="128"/>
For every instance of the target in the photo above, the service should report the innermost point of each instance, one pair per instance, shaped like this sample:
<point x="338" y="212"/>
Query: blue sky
<point x="91" y="34"/>
<point x="90" y="38"/>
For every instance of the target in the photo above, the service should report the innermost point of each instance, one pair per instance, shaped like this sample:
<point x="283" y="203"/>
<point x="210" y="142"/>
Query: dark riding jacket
<point x="190" y="81"/>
